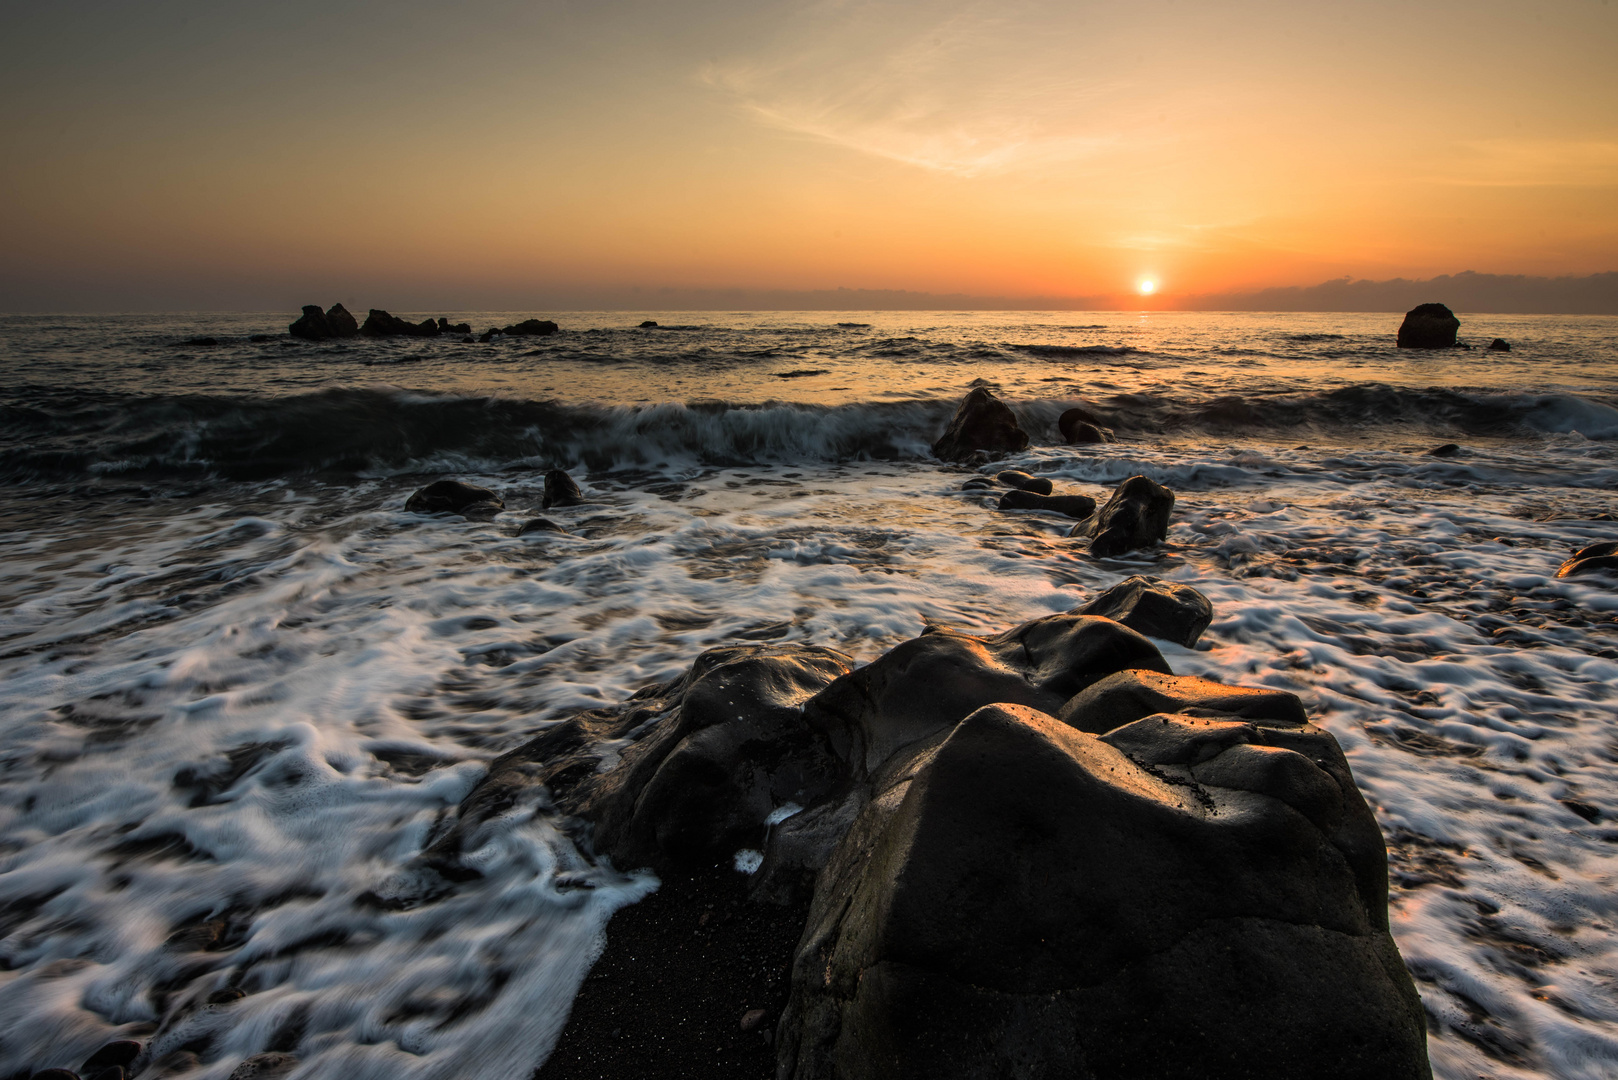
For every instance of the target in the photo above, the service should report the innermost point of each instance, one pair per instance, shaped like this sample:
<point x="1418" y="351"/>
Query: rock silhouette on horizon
<point x="317" y="325"/>
<point x="1428" y="326"/>
<point x="982" y="422"/>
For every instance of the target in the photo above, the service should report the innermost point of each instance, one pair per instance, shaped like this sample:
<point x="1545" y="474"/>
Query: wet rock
<point x="1127" y="696"/>
<point x="120" y="1054"/>
<point x="1499" y="345"/>
<point x="1026" y="899"/>
<point x="1075" y="416"/>
<point x="1449" y="449"/>
<point x="560" y="490"/>
<point x="380" y="324"/>
<point x="455" y="497"/>
<point x="1428" y="326"/>
<point x="265" y="1067"/>
<point x="1082" y="433"/>
<point x="1596" y="558"/>
<point x="1073" y="506"/>
<point x="538" y="525"/>
<point x="342" y="323"/>
<point x="526" y="328"/>
<point x="1156" y="608"/>
<point x="447" y="327"/>
<point x="928" y="684"/>
<point x="978" y="483"/>
<point x="1016" y="478"/>
<point x="1136" y="516"/>
<point x="649" y="324"/>
<point x="983" y="422"/>
<point x="752" y="1018"/>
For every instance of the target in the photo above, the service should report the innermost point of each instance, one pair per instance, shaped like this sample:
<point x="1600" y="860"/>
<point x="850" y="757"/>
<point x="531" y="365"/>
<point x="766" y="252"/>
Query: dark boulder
<point x="455" y="497"/>
<point x="1449" y="449"/>
<point x="1428" y="326"/>
<point x="55" y="1074"/>
<point x="978" y="483"/>
<point x="1039" y="485"/>
<point x="1179" y="898"/>
<point x="926" y="685"/>
<point x="1499" y="345"/>
<point x="118" y="1054"/>
<point x="983" y="422"/>
<point x="1136" y="516"/>
<point x="317" y="325"/>
<point x="1156" y="608"/>
<point x="1126" y="696"/>
<point x="560" y="490"/>
<point x="342" y="324"/>
<point x="1596" y="558"/>
<point x="526" y="328"/>
<point x="1073" y="506"/>
<point x="649" y="324"/>
<point x="1082" y="426"/>
<point x="380" y="324"/>
<point x="447" y="327"/>
<point x="539" y="524"/>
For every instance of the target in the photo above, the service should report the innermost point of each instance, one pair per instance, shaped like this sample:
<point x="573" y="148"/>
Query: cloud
<point x="970" y="89"/>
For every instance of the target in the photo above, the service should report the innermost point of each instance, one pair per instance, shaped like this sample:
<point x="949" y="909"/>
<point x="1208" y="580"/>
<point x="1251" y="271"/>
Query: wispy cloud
<point x="966" y="90"/>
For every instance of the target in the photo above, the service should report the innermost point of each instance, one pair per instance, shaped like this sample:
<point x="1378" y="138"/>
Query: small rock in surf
<point x="1449" y="449"/>
<point x="983" y="422"/>
<point x="1596" y="558"/>
<point x="560" y="490"/>
<point x="1016" y="478"/>
<point x="1136" y="516"/>
<point x="1073" y="506"/>
<point x="455" y="497"/>
<point x="1499" y="345"/>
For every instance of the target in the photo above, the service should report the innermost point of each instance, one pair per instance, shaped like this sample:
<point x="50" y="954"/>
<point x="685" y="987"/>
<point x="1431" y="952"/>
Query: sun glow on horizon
<point x="1147" y="287"/>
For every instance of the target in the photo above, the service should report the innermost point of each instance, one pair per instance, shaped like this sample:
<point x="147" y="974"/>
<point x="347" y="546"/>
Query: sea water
<point x="241" y="687"/>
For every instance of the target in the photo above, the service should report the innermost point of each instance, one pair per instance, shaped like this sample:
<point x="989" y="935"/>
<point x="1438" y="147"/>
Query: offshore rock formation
<point x="1428" y="326"/>
<point x="1037" y="853"/>
<point x="983" y="422"/>
<point x="317" y="325"/>
<point x="380" y="324"/>
<point x="526" y="328"/>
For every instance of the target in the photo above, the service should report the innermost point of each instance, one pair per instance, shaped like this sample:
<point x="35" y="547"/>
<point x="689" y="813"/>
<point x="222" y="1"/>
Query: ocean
<point x="241" y="687"/>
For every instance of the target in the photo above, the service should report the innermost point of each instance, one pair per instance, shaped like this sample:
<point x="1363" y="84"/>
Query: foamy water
<point x="236" y="708"/>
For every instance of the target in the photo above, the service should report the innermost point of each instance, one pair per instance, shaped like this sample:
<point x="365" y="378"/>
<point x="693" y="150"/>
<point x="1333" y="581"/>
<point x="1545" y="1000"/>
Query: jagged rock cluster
<point x="1038" y="853"/>
<point x="317" y="325"/>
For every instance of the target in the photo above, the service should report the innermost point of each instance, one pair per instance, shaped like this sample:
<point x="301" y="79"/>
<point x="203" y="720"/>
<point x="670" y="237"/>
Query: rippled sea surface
<point x="241" y="687"/>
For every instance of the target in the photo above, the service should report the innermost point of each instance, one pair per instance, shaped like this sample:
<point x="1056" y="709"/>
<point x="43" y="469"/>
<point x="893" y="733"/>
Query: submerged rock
<point x="1156" y="608"/>
<point x="1595" y="558"/>
<point x="539" y="524"/>
<point x="1039" y="485"/>
<point x="380" y="324"/>
<point x="1499" y="345"/>
<point x="1073" y="506"/>
<point x="1448" y="449"/>
<point x="1136" y="516"/>
<point x="455" y="497"/>
<point x="526" y="328"/>
<point x="983" y="422"/>
<point x="1428" y="326"/>
<point x="560" y="490"/>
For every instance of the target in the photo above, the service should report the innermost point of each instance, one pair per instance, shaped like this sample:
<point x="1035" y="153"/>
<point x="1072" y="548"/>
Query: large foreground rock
<point x="1428" y="326"/>
<point x="1136" y="516"/>
<point x="1156" y="608"/>
<point x="1178" y="898"/>
<point x="983" y="422"/>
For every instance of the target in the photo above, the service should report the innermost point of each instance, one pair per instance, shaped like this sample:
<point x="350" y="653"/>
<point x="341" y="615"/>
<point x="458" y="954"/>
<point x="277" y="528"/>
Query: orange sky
<point x="197" y="155"/>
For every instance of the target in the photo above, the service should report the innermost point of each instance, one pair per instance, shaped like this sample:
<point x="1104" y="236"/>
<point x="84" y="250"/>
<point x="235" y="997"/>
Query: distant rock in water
<point x="380" y="324"/>
<point x="526" y="328"/>
<point x="1596" y="558"/>
<point x="455" y="497"/>
<point x="1428" y="326"/>
<point x="1499" y="345"/>
<point x="197" y="343"/>
<point x="1449" y="449"/>
<point x="649" y="324"/>
<point x="1039" y="485"/>
<point x="1082" y="426"/>
<point x="447" y="327"/>
<point x="317" y="325"/>
<point x="1073" y="506"/>
<point x="560" y="490"/>
<point x="983" y="422"/>
<point x="1156" y="608"/>
<point x="1136" y="516"/>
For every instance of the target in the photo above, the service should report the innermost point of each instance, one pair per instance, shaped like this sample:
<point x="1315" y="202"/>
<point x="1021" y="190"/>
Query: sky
<point x="183" y="155"/>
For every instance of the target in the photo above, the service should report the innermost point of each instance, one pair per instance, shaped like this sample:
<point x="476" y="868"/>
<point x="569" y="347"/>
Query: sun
<point x="1147" y="287"/>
